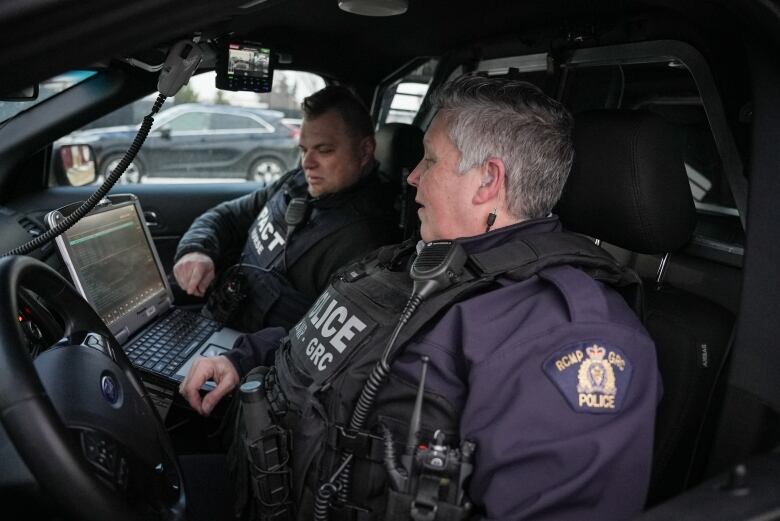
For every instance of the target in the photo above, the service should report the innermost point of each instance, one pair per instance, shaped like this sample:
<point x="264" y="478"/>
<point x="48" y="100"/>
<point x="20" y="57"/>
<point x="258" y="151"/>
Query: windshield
<point x="46" y="90"/>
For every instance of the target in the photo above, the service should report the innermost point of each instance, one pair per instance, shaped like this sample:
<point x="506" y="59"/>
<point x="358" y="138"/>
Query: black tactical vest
<point x="323" y="364"/>
<point x="271" y="248"/>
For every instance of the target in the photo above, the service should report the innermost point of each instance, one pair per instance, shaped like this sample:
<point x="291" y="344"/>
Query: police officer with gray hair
<point x="511" y="387"/>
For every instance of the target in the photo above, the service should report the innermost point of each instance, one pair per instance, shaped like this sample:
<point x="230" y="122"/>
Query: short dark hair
<point x="346" y="103"/>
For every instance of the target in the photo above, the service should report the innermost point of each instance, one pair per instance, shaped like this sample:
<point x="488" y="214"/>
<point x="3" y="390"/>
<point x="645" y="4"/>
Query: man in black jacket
<point x="273" y="258"/>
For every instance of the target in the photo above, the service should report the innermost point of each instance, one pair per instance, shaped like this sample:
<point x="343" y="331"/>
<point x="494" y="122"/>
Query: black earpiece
<point x="491" y="219"/>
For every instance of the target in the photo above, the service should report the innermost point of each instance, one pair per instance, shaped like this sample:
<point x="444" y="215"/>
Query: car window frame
<point x="630" y="53"/>
<point x="395" y="77"/>
<point x="655" y="51"/>
<point x="165" y="125"/>
<point x="261" y="123"/>
<point x="265" y="127"/>
<point x="695" y="63"/>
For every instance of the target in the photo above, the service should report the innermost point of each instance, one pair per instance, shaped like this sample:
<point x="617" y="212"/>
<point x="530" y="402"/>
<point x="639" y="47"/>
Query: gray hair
<point x="516" y="122"/>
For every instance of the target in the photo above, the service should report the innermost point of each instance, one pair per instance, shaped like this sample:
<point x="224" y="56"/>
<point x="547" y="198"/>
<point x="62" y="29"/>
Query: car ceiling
<point x="315" y="33"/>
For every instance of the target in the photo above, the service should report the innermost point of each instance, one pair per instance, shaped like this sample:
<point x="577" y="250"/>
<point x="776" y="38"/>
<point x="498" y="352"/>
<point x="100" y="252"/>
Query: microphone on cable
<point x="297" y="209"/>
<point x="296" y="214"/>
<point x="436" y="267"/>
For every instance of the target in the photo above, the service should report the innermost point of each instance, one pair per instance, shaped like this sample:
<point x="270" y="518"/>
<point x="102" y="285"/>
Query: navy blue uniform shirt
<point x="558" y="384"/>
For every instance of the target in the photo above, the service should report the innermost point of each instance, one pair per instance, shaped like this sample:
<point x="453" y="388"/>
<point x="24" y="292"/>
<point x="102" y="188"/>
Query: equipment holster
<point x="227" y="294"/>
<point x="406" y="507"/>
<point x="259" y="461"/>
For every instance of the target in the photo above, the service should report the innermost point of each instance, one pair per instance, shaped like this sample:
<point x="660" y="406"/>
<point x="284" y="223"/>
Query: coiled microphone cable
<point x="437" y="267"/>
<point x="100" y="193"/>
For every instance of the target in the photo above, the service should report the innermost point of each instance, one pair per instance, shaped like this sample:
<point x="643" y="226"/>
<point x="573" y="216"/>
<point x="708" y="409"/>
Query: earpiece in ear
<point x="486" y="180"/>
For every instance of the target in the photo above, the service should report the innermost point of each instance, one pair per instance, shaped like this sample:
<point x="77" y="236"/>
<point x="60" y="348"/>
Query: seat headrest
<point x="628" y="185"/>
<point x="398" y="146"/>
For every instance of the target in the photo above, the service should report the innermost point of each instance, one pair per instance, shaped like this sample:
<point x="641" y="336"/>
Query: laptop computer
<point x="113" y="263"/>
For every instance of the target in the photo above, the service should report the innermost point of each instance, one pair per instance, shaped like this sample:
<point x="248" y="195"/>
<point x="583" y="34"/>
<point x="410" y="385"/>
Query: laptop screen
<point x="113" y="264"/>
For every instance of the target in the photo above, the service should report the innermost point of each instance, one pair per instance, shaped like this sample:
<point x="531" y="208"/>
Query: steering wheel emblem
<point x="110" y="388"/>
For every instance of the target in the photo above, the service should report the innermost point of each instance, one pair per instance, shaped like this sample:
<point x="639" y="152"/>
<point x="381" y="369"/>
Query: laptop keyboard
<point x="164" y="347"/>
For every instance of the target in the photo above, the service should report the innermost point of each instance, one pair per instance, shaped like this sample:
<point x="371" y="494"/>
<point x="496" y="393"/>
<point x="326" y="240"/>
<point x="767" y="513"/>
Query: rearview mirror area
<point x="26" y="94"/>
<point x="74" y="165"/>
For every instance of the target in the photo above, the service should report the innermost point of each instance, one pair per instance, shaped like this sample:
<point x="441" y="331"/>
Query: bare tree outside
<point x="186" y="95"/>
<point x="221" y="99"/>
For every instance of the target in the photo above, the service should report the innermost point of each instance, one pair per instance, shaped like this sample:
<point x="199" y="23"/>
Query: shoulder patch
<point x="592" y="376"/>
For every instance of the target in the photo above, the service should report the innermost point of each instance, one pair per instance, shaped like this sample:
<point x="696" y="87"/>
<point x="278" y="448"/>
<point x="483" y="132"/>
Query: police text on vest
<point x="335" y="327"/>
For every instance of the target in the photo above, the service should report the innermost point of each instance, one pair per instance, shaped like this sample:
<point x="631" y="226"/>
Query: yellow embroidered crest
<point x="592" y="375"/>
<point x="596" y="380"/>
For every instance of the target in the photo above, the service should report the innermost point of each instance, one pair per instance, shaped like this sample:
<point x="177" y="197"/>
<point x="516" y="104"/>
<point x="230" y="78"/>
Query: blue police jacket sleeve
<point x="540" y="458"/>
<point x="223" y="229"/>
<point x="255" y="349"/>
<point x="559" y="393"/>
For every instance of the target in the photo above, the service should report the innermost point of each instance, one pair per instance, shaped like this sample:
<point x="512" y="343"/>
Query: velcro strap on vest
<point x="545" y="248"/>
<point x="520" y="259"/>
<point x="387" y="256"/>
<point x="362" y="444"/>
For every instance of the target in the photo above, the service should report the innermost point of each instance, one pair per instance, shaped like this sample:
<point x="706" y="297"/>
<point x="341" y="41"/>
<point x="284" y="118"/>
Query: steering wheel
<point x="77" y="414"/>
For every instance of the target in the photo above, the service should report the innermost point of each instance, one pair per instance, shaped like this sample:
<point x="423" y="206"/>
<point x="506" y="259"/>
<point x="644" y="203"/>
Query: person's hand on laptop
<point x="194" y="273"/>
<point x="217" y="368"/>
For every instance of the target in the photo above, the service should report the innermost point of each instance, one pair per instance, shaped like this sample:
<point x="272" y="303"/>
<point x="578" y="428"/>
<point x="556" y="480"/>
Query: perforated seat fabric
<point x="692" y="336"/>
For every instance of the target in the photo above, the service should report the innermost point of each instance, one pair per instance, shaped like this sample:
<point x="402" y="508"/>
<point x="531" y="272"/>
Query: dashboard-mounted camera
<point x="245" y="66"/>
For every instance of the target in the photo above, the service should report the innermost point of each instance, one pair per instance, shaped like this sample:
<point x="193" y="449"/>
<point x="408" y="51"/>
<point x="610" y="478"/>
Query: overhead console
<point x="245" y="66"/>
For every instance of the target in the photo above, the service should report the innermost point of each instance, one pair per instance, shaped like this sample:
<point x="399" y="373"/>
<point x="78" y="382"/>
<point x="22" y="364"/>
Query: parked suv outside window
<point x="199" y="141"/>
<point x="205" y="134"/>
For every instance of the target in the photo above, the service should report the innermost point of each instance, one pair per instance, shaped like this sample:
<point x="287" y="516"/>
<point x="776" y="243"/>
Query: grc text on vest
<point x="335" y="327"/>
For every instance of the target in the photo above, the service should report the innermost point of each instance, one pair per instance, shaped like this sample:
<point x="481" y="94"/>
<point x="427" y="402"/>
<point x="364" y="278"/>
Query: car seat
<point x="628" y="187"/>
<point x="399" y="148"/>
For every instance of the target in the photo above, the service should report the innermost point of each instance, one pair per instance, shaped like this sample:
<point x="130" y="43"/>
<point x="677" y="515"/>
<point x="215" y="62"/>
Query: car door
<point x="180" y="146"/>
<point x="169" y="209"/>
<point x="235" y="141"/>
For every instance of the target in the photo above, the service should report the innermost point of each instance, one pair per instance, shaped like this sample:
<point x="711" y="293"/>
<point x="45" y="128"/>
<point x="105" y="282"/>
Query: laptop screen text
<point x="115" y="264"/>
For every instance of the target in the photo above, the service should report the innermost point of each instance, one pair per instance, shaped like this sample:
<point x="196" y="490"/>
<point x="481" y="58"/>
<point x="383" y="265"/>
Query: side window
<point x="668" y="89"/>
<point x="192" y="121"/>
<point x="204" y="134"/>
<point x="660" y="85"/>
<point x="234" y="122"/>
<point x="401" y="100"/>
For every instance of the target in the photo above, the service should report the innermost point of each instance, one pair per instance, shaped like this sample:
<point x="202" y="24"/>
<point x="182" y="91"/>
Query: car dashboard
<point x="40" y="327"/>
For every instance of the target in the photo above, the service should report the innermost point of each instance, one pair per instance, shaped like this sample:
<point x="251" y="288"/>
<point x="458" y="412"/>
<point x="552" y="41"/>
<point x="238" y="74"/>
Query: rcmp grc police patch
<point x="592" y="376"/>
